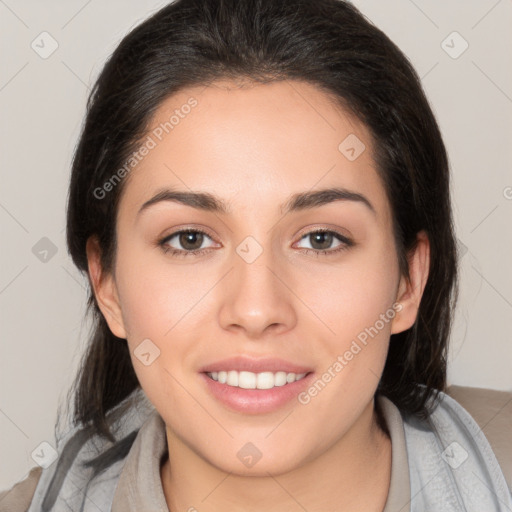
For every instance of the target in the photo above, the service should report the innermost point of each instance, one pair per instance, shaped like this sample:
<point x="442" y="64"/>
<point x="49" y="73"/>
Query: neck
<point x="353" y="474"/>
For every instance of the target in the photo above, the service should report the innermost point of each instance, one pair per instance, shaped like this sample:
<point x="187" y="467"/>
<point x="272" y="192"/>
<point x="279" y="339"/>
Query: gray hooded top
<point x="443" y="464"/>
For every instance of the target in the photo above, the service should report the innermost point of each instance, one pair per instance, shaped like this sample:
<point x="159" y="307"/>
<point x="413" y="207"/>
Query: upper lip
<point x="244" y="363"/>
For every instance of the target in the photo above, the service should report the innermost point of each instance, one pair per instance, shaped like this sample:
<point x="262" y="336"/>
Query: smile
<point x="250" y="380"/>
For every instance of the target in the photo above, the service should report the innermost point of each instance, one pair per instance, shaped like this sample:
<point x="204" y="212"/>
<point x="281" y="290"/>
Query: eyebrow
<point x="297" y="202"/>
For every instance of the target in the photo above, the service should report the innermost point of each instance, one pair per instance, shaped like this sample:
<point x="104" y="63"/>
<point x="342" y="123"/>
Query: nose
<point x="257" y="297"/>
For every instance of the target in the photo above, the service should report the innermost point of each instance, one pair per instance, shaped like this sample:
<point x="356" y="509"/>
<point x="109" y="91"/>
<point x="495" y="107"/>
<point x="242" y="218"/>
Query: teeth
<point x="250" y="380"/>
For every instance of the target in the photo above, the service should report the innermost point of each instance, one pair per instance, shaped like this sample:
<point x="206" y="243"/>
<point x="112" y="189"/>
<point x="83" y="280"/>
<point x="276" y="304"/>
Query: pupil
<point x="326" y="237"/>
<point x="187" y="237"/>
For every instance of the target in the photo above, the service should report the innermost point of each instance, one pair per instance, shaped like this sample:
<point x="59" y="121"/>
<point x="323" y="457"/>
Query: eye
<point x="190" y="239"/>
<point x="322" y="240"/>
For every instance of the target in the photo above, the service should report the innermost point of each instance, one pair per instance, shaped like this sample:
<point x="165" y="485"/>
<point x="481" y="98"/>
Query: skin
<point x="254" y="146"/>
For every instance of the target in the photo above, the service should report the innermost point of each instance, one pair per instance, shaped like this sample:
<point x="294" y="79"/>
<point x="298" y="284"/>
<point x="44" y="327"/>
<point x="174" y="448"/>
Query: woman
<point x="231" y="366"/>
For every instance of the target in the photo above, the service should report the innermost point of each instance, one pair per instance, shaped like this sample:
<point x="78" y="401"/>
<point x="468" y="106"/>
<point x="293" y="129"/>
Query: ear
<point x="410" y="292"/>
<point x="105" y="289"/>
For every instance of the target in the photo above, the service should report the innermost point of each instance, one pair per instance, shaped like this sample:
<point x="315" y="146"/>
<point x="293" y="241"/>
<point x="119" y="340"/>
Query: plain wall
<point x="42" y="103"/>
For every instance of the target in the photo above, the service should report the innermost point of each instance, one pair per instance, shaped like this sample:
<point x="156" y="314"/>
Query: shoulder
<point x="492" y="411"/>
<point x="19" y="496"/>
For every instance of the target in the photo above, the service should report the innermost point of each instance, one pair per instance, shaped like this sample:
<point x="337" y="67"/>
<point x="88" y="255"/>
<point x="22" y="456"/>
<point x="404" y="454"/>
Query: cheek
<point x="152" y="310"/>
<point x="350" y="296"/>
<point x="152" y="293"/>
<point x="355" y="304"/>
<point x="161" y="303"/>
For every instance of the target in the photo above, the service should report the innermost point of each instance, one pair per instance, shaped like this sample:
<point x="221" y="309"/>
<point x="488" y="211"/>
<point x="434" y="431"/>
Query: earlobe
<point x="410" y="292"/>
<point x="104" y="288"/>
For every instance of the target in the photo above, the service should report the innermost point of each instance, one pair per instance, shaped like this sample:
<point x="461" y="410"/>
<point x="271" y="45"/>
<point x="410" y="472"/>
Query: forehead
<point x="254" y="145"/>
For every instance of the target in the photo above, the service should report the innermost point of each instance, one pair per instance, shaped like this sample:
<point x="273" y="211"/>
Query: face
<point x="311" y="284"/>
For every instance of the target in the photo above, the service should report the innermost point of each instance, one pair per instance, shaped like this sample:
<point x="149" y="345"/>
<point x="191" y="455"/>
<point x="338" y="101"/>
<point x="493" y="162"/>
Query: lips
<point x="244" y="363"/>
<point x="255" y="401"/>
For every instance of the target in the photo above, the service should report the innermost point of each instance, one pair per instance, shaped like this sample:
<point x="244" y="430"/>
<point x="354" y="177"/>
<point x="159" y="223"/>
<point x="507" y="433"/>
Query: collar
<point x="140" y="486"/>
<point x="399" y="495"/>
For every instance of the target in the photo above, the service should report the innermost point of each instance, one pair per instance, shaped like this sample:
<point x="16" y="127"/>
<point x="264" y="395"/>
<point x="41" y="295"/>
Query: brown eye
<point x="189" y="242"/>
<point x="322" y="240"/>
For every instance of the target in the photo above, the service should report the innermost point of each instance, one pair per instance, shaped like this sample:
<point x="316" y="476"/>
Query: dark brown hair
<point x="327" y="43"/>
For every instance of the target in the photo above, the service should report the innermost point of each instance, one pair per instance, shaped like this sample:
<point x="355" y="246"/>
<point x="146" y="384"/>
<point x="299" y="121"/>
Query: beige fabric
<point x="18" y="498"/>
<point x="399" y="495"/>
<point x="491" y="409"/>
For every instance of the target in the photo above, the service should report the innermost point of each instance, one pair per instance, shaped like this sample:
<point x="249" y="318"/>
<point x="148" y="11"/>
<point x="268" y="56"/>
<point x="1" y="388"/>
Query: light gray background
<point x="42" y="103"/>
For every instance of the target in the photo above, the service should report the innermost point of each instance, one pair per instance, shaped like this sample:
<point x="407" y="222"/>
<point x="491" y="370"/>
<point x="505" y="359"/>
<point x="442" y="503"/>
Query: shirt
<point x="443" y="463"/>
<point x="140" y="488"/>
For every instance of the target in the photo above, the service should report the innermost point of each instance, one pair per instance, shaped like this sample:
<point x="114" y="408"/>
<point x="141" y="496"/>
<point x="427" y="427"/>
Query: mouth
<point x="253" y="393"/>
<point x="252" y="380"/>
<point x="253" y="385"/>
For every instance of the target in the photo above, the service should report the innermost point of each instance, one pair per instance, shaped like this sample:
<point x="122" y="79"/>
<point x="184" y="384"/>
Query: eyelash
<point x="346" y="243"/>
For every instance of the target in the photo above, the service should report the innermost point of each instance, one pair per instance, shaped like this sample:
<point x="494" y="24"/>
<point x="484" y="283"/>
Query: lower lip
<point x="256" y="401"/>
